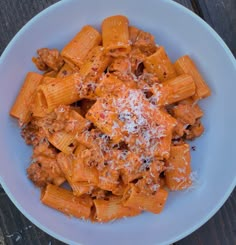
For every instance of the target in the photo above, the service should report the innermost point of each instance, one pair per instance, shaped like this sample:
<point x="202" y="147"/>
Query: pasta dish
<point x="109" y="119"/>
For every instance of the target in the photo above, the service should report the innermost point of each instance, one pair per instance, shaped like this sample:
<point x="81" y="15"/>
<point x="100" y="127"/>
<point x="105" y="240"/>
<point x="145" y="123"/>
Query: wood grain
<point x="186" y="3"/>
<point x="15" y="228"/>
<point x="221" y="15"/>
<point x="15" y="14"/>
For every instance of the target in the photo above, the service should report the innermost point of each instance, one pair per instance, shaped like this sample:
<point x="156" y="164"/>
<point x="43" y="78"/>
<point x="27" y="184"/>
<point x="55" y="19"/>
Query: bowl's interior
<point x="181" y="33"/>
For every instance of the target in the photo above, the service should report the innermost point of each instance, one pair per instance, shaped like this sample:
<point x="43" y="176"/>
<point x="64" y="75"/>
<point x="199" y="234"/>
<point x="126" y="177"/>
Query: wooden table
<point x="15" y="228"/>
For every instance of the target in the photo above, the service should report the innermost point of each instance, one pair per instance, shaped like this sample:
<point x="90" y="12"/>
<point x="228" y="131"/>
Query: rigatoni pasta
<point x="60" y="92"/>
<point x="20" y="108"/>
<point x="64" y="201"/>
<point x="160" y="64"/>
<point x="95" y="64"/>
<point x="185" y="65"/>
<point x="146" y="201"/>
<point x="115" y="35"/>
<point x="175" y="89"/>
<point x="77" y="49"/>
<point x="63" y="141"/>
<point x="113" y="208"/>
<point x="110" y="117"/>
<point x="178" y="168"/>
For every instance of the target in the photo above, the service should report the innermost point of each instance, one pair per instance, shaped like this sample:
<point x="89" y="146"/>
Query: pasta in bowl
<point x="110" y="116"/>
<point x="162" y="22"/>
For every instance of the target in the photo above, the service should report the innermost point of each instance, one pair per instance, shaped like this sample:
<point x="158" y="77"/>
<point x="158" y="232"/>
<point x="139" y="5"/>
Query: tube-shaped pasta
<point x="111" y="122"/>
<point x="61" y="92"/>
<point x="63" y="141"/>
<point x="152" y="203"/>
<point x="65" y="202"/>
<point x="115" y="35"/>
<point x="107" y="210"/>
<point x="160" y="64"/>
<point x="78" y="123"/>
<point x="79" y="149"/>
<point x="164" y="143"/>
<point x="65" y="163"/>
<point x="120" y="189"/>
<point x="84" y="179"/>
<point x="65" y="71"/>
<point x="185" y="65"/>
<point x="51" y="73"/>
<point x="79" y="188"/>
<point x="187" y="111"/>
<point x="133" y="34"/>
<point x="39" y="106"/>
<point x="82" y="172"/>
<point x="174" y="90"/>
<point x="21" y="106"/>
<point x="95" y="63"/>
<point x="77" y="49"/>
<point x="145" y="42"/>
<point x="47" y="80"/>
<point x="104" y="119"/>
<point x="164" y="118"/>
<point x="110" y="85"/>
<point x="130" y="168"/>
<point x="108" y="179"/>
<point x="177" y="175"/>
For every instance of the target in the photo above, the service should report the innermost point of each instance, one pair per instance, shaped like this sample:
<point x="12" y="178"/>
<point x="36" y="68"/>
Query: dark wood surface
<point x="16" y="229"/>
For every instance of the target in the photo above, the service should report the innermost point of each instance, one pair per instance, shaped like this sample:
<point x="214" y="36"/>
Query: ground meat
<point x="30" y="134"/>
<point x="128" y="69"/>
<point x="37" y="174"/>
<point x="177" y="141"/>
<point x="44" y="149"/>
<point x="54" y="121"/>
<point x="136" y="58"/>
<point x="45" y="172"/>
<point x="121" y="64"/>
<point x="91" y="157"/>
<point x="44" y="168"/>
<point x="187" y="114"/>
<point x="145" y="42"/>
<point x="121" y="68"/>
<point x="194" y="131"/>
<point x="148" y="78"/>
<point x="48" y="59"/>
<point x="98" y="193"/>
<point x="179" y="130"/>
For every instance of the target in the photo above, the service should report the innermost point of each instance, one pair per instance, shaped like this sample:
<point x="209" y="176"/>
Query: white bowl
<point x="181" y="32"/>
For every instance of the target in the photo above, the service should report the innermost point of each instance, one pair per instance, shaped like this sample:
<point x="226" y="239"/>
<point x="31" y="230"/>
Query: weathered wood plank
<point x="197" y="8"/>
<point x="1" y="190"/>
<point x="16" y="229"/>
<point x="14" y="15"/>
<point x="221" y="15"/>
<point x="185" y="3"/>
<point x="2" y="240"/>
